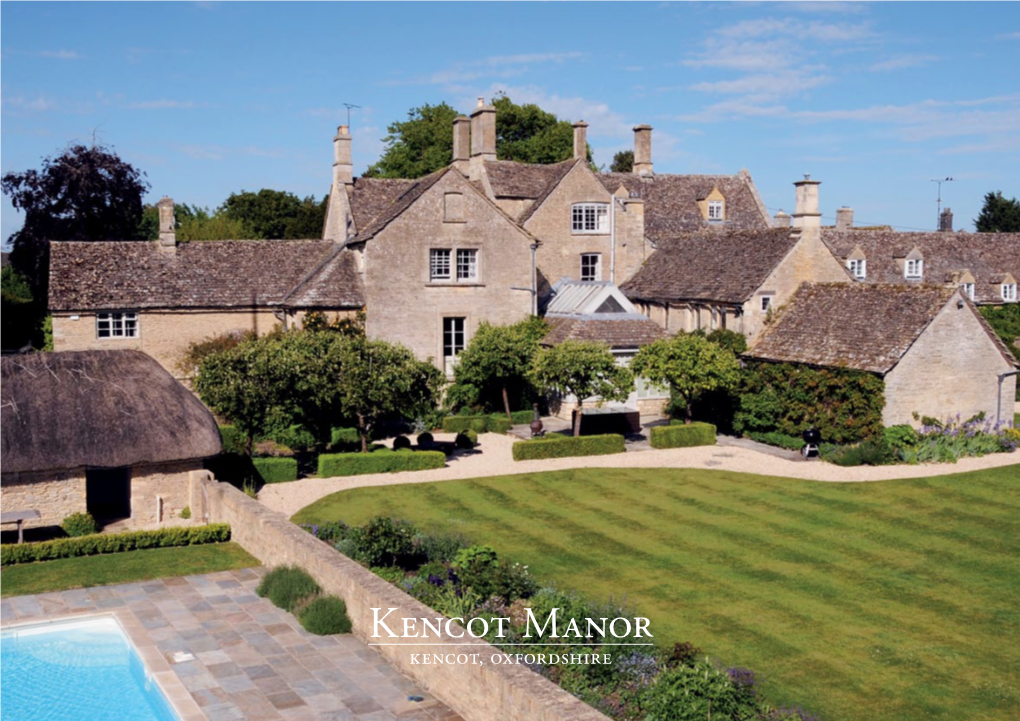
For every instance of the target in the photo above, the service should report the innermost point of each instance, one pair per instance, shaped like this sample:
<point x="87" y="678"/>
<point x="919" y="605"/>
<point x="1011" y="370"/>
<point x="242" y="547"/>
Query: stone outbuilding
<point x="936" y="353"/>
<point x="108" y="432"/>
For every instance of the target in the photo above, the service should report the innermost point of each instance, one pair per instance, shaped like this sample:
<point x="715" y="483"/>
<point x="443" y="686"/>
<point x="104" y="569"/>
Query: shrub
<point x="384" y="541"/>
<point x="401" y="443"/>
<point x="344" y="438"/>
<point x="496" y="423"/>
<point x="519" y="417"/>
<point x="438" y="548"/>
<point x="774" y="438"/>
<point x="682" y="435"/>
<point x="232" y="439"/>
<point x="186" y="512"/>
<point x="79" y="524"/>
<point x="466" y="440"/>
<point x="426" y="439"/>
<point x="325" y="616"/>
<point x="286" y="586"/>
<point x="297" y="438"/>
<point x="900" y="437"/>
<point x="557" y="446"/>
<point x="276" y="470"/>
<point x="696" y="692"/>
<point x="875" y="452"/>
<point x="379" y="460"/>
<point x="99" y="543"/>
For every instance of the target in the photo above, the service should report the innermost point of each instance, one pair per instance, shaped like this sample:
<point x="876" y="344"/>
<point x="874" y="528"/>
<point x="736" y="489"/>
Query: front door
<point x="108" y="493"/>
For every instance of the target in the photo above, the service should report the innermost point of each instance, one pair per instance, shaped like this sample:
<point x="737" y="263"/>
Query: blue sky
<point x="873" y="99"/>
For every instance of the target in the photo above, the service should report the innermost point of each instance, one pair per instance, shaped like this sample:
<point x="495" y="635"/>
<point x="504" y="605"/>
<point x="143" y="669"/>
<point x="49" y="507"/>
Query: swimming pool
<point x="77" y="671"/>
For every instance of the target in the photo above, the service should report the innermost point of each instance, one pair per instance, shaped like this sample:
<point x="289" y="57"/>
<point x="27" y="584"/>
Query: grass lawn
<point x="85" y="571"/>
<point x="890" y="601"/>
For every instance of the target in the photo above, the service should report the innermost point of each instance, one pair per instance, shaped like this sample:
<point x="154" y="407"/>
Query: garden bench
<point x="19" y="517"/>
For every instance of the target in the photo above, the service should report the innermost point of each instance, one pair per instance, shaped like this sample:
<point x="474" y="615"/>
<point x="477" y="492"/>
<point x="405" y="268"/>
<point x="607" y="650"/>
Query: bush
<point x="186" y="512"/>
<point x="296" y="438"/>
<point x="774" y="438"/>
<point x="682" y="435"/>
<point x="232" y="439"/>
<point x="875" y="452"/>
<point x="287" y="586"/>
<point x="519" y="417"/>
<point x="438" y="548"/>
<point x="900" y="437"/>
<point x="466" y="440"/>
<point x="557" y="446"/>
<point x="344" y="438"/>
<point x="426" y="439"/>
<point x="401" y="443"/>
<point x="325" y="616"/>
<point x="100" y="543"/>
<point x="384" y="541"/>
<point x="79" y="524"/>
<point x="698" y="691"/>
<point x="276" y="470"/>
<point x="379" y="460"/>
<point x="496" y="423"/>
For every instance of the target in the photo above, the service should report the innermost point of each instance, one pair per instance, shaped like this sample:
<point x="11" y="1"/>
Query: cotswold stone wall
<point x="168" y="481"/>
<point x="55" y="494"/>
<point x="478" y="693"/>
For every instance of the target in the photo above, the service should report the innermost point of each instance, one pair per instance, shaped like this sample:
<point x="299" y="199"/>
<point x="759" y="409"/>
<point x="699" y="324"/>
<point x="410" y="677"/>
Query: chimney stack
<point x="844" y="218"/>
<point x="167" y="224"/>
<point x="643" y="150"/>
<point x="806" y="214"/>
<point x="343" y="167"/>
<point x="946" y="221"/>
<point x="781" y="220"/>
<point x="483" y="131"/>
<point x="461" y="143"/>
<point x="580" y="140"/>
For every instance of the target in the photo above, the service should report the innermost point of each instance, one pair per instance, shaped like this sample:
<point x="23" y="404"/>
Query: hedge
<point x="379" y="460"/>
<point x="774" y="438"/>
<point x="345" y="436"/>
<point x="232" y="439"/>
<point x="99" y="543"/>
<point x="459" y="424"/>
<point x="275" y="470"/>
<point x="567" y="446"/>
<point x="683" y="435"/>
<point x="520" y="417"/>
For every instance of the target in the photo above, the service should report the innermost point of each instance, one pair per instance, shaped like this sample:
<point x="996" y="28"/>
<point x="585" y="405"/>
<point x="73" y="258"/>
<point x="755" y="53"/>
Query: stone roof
<point x="398" y="203"/>
<point x="370" y="196"/>
<point x="862" y="326"/>
<point x="101" y="408"/>
<point x="201" y="274"/>
<point x="725" y="267"/>
<point x="510" y="179"/>
<point x="597" y="311"/>
<point x="616" y="333"/>
<point x="987" y="256"/>
<point x="671" y="201"/>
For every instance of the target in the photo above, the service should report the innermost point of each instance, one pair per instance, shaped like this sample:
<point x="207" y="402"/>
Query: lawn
<point x="896" y="600"/>
<point x="126" y="567"/>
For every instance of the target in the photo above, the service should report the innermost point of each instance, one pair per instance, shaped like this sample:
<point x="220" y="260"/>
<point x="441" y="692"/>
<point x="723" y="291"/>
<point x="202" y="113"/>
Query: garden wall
<point x="482" y="693"/>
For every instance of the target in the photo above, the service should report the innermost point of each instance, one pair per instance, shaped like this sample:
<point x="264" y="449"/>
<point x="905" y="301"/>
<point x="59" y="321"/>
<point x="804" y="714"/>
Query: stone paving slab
<point x="251" y="660"/>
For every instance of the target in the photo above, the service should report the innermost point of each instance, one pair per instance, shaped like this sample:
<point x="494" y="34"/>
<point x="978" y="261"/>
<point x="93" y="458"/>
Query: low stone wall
<point x="478" y="693"/>
<point x="55" y="494"/>
<point x="168" y="481"/>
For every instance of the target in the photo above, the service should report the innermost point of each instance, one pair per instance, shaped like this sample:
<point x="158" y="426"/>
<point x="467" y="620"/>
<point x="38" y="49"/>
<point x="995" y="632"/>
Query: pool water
<point x="76" y="671"/>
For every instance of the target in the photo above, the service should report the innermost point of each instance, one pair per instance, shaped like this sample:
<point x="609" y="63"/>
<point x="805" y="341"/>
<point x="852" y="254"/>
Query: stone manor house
<point x="486" y="240"/>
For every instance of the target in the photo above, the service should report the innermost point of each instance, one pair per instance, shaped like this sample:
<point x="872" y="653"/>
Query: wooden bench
<point x="19" y="517"/>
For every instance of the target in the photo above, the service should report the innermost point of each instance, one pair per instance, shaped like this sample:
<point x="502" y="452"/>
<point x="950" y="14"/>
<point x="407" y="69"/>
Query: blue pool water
<point x="76" y="671"/>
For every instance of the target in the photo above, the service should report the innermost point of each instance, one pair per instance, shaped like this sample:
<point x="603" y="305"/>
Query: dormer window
<point x="913" y="269"/>
<point x="1009" y="292"/>
<point x="715" y="210"/>
<point x="589" y="218"/>
<point x="968" y="289"/>
<point x="858" y="268"/>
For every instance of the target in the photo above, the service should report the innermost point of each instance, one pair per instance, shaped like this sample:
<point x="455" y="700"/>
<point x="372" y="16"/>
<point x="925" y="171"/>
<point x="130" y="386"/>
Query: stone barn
<point x="109" y="432"/>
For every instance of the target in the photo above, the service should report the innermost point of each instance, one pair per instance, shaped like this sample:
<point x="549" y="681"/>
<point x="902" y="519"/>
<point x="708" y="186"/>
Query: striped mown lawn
<point x="896" y="600"/>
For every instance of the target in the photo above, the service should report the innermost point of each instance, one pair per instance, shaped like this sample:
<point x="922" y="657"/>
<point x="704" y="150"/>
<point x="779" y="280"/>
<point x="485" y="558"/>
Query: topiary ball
<point x="401" y="442"/>
<point x="426" y="439"/>
<point x="79" y="524"/>
<point x="463" y="442"/>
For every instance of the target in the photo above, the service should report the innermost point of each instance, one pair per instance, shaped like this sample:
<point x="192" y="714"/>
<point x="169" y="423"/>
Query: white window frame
<point x="451" y="347"/>
<point x="117" y="324"/>
<point x="467" y="265"/>
<point x="913" y="269"/>
<point x="598" y="266"/>
<point x="968" y="289"/>
<point x="1008" y="292"/>
<point x="858" y="268"/>
<point x="589" y="218"/>
<point x="766" y="303"/>
<point x="440" y="259"/>
<point x="716" y="210"/>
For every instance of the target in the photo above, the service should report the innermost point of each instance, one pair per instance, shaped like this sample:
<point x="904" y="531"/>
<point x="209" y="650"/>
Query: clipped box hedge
<point x="275" y="470"/>
<point x="344" y="437"/>
<point x="478" y="424"/>
<point x="568" y="446"/>
<point x="99" y="543"/>
<point x="379" y="460"/>
<point x="681" y="435"/>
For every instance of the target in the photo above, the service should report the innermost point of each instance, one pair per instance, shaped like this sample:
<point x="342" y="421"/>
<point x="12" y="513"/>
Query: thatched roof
<point x="100" y="409"/>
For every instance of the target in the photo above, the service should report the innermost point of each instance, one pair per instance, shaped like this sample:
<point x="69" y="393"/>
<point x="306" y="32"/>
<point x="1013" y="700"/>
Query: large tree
<point x="999" y="215"/>
<point x="583" y="369"/>
<point x="689" y="364"/>
<point x="623" y="162"/>
<point x="276" y="214"/>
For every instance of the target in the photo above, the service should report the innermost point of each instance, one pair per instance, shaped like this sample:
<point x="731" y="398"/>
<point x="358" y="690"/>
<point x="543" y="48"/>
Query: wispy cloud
<point x="774" y="85"/>
<point x="165" y="104"/>
<point x="835" y="7"/>
<point x="902" y="62"/>
<point x="1008" y="36"/>
<point x="600" y="117"/>
<point x="493" y="67"/>
<point x="61" y="54"/>
<point x="38" y="104"/>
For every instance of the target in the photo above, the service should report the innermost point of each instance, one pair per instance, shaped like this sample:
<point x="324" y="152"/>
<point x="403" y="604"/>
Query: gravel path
<point x="494" y="458"/>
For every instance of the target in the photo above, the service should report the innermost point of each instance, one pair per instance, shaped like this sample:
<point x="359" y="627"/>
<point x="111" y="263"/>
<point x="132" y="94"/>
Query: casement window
<point x="715" y="210"/>
<point x="968" y="289"/>
<point x="858" y="268"/>
<point x="453" y="342"/>
<point x="467" y="264"/>
<point x="766" y="303"/>
<point x="116" y="325"/>
<point x="439" y="264"/>
<point x="1009" y="291"/>
<point x="913" y="268"/>
<point x="589" y="218"/>
<point x="591" y="266"/>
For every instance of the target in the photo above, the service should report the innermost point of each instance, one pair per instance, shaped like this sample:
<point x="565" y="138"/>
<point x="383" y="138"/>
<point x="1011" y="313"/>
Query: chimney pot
<point x="643" y="150"/>
<point x="946" y="221"/>
<point x="844" y="218"/>
<point x="806" y="214"/>
<point x="781" y="220"/>
<point x="580" y="139"/>
<point x="167" y="223"/>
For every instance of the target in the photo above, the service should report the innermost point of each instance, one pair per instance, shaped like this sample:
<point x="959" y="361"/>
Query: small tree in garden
<point x="689" y="364"/>
<point x="583" y="369"/>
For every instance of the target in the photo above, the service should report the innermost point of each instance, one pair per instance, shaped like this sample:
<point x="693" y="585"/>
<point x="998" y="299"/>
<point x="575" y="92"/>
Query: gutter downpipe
<point x="998" y="400"/>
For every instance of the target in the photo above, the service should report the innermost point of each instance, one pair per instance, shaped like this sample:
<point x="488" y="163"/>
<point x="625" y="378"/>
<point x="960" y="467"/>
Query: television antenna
<point x="349" y="106"/>
<point x="939" y="182"/>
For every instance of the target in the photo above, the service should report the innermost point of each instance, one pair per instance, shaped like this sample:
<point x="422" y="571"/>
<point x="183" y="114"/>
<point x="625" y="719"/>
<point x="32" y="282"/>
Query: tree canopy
<point x="623" y="162"/>
<point x="999" y="214"/>
<point x="265" y="215"/>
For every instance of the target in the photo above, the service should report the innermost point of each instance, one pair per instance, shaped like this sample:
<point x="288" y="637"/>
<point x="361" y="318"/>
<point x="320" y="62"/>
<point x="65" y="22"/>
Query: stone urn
<point x="536" y="422"/>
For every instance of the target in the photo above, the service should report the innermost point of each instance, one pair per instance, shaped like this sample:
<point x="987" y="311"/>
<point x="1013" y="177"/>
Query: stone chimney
<point x="806" y="214"/>
<point x="844" y="218"/>
<point x="642" y="150"/>
<point x="483" y="131"/>
<point x="343" y="167"/>
<point x="946" y="221"/>
<point x="167" y="224"/>
<point x="781" y="220"/>
<point x="461" y="143"/>
<point x="580" y="139"/>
